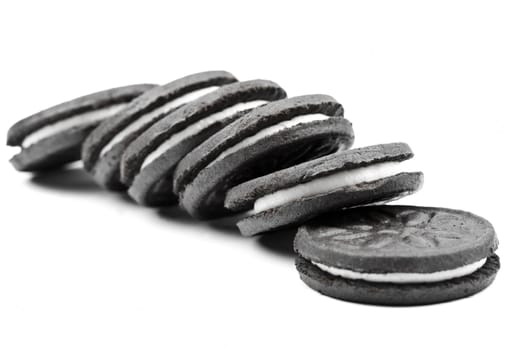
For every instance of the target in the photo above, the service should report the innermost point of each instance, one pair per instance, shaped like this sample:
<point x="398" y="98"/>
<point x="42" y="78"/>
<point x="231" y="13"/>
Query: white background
<point x="84" y="269"/>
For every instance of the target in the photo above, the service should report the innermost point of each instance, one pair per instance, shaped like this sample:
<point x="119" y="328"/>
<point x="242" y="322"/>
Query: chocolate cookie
<point x="345" y="179"/>
<point x="53" y="137"/>
<point x="147" y="164"/>
<point x="397" y="255"/>
<point x="269" y="138"/>
<point x="103" y="149"/>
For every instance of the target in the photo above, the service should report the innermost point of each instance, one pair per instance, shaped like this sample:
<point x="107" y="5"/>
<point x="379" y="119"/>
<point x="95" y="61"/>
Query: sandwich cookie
<point x="53" y="137"/>
<point x="103" y="149"/>
<point x="269" y="138"/>
<point x="397" y="255"/>
<point x="147" y="164"/>
<point x="345" y="179"/>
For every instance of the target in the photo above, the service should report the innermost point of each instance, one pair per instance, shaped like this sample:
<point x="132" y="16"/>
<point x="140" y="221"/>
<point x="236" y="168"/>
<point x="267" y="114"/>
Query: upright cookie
<point x="103" y="149"/>
<point x="147" y="164"/>
<point x="53" y="137"/>
<point x="397" y="255"/>
<point x="269" y="138"/>
<point x="345" y="179"/>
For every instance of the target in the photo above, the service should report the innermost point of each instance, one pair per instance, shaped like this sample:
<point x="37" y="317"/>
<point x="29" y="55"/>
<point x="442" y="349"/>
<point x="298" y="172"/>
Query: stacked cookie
<point x="219" y="147"/>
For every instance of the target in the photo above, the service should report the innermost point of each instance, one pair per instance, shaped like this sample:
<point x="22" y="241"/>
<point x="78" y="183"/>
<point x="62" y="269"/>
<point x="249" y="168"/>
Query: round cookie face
<point x="384" y="239"/>
<point x="269" y="138"/>
<point x="53" y="137"/>
<point x="432" y="254"/>
<point x="103" y="149"/>
<point x="151" y="158"/>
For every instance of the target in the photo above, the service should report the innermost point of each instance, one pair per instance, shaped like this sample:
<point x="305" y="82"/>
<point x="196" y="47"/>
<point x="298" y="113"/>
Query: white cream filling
<point x="404" y="277"/>
<point x="307" y="118"/>
<point x="197" y="127"/>
<point x="328" y="183"/>
<point x="78" y="120"/>
<point x="164" y="109"/>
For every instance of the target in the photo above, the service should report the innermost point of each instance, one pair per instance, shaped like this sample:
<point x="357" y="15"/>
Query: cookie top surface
<point x="248" y="125"/>
<point x="146" y="103"/>
<point x="214" y="102"/>
<point x="385" y="239"/>
<point x="244" y="195"/>
<point x="101" y="99"/>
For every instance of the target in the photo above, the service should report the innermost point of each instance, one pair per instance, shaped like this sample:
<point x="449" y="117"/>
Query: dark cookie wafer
<point x="345" y="179"/>
<point x="148" y="163"/>
<point x="397" y="255"/>
<point x="269" y="138"/>
<point x="53" y="137"/>
<point x="103" y="149"/>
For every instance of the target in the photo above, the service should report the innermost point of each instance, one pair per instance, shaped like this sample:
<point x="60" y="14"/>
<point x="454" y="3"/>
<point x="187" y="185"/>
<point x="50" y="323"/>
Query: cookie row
<point x="218" y="147"/>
